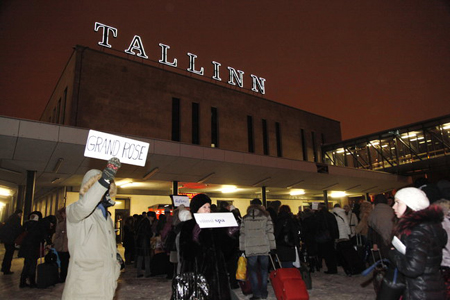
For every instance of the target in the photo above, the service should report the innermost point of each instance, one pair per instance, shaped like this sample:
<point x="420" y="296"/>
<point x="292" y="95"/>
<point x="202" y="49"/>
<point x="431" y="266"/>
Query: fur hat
<point x="198" y="201"/>
<point x="414" y="198"/>
<point x="91" y="177"/>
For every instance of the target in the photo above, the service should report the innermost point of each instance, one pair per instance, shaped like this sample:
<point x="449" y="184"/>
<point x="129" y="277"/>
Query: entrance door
<point x="120" y="217"/>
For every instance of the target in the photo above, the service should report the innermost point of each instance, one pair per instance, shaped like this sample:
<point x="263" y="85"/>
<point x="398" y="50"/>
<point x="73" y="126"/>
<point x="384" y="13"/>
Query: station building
<point x="206" y="136"/>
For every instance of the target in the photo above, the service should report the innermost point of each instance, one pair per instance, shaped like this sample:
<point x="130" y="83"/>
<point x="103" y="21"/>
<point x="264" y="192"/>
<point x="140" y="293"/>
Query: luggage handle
<point x="273" y="263"/>
<point x="380" y="257"/>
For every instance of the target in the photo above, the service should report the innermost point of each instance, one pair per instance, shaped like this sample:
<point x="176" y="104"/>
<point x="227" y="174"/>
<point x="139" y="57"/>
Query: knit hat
<point x="414" y="198"/>
<point x="198" y="201"/>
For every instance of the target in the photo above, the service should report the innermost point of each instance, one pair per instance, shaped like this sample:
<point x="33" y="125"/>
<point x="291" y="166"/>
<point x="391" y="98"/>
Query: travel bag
<point x="349" y="259"/>
<point x="47" y="272"/>
<point x="287" y="283"/>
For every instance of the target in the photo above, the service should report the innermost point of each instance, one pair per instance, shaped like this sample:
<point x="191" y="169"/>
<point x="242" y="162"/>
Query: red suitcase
<point x="287" y="283"/>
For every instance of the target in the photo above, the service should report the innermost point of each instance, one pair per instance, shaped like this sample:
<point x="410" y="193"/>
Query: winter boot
<point x="23" y="282"/>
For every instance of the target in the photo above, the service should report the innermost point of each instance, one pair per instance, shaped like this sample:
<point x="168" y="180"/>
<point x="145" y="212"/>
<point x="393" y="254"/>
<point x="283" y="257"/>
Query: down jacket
<point x="256" y="234"/>
<point x="424" y="238"/>
<point x="93" y="267"/>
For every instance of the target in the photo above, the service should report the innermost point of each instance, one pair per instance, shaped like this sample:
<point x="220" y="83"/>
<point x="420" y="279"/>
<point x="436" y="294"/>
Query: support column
<point x="325" y="198"/>
<point x="174" y="187"/>
<point x="263" y="196"/>
<point x="29" y="193"/>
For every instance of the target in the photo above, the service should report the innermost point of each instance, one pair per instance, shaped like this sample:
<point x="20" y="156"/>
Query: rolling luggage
<point x="287" y="283"/>
<point x="47" y="272"/>
<point x="349" y="259"/>
<point x="306" y="275"/>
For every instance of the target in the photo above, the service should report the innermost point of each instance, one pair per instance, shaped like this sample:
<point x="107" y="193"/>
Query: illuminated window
<point x="175" y="119"/>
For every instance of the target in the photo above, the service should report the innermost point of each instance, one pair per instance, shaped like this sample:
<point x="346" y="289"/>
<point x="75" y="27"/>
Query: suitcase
<point x="47" y="275"/>
<point x="47" y="272"/>
<point x="287" y="283"/>
<point x="349" y="259"/>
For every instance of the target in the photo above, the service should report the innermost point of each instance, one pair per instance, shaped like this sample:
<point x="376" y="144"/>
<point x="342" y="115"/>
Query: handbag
<point x="392" y="286"/>
<point x="323" y="236"/>
<point x="241" y="271"/>
<point x="19" y="239"/>
<point x="190" y="286"/>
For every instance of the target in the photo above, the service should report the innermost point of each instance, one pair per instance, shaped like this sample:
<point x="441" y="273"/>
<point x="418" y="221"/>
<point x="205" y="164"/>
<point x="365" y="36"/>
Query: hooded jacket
<point x="256" y="234"/>
<point x="93" y="266"/>
<point x="342" y="222"/>
<point x="424" y="238"/>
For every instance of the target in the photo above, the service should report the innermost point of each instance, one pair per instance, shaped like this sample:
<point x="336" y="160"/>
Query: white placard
<point x="216" y="220"/>
<point x="105" y="146"/>
<point x="315" y="205"/>
<point x="398" y="245"/>
<point x="180" y="200"/>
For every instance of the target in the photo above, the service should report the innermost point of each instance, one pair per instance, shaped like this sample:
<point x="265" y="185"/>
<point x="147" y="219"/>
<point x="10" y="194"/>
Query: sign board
<point x="178" y="200"/>
<point x="105" y="146"/>
<point x="216" y="220"/>
<point x="315" y="206"/>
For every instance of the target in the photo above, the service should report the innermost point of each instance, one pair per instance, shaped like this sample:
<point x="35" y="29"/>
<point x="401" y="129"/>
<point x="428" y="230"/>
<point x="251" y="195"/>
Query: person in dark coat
<point x="33" y="246"/>
<point x="309" y="247"/>
<point x="420" y="230"/>
<point x="129" y="240"/>
<point x="327" y="224"/>
<point x="144" y="233"/>
<point x="8" y="234"/>
<point x="201" y="251"/>
<point x="286" y="236"/>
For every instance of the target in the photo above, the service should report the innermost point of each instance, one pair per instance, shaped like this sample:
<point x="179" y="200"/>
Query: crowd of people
<point x="206" y="258"/>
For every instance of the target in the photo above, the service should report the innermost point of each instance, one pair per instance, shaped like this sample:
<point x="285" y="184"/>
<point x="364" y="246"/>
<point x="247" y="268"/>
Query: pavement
<point x="325" y="286"/>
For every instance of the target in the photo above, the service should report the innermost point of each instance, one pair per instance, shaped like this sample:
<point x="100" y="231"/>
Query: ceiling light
<point x="150" y="174"/>
<point x="5" y="192"/>
<point x="128" y="184"/>
<point x="229" y="189"/>
<point x="296" y="192"/>
<point x="337" y="194"/>
<point x="206" y="178"/>
<point x="262" y="181"/>
<point x="58" y="165"/>
<point x="55" y="180"/>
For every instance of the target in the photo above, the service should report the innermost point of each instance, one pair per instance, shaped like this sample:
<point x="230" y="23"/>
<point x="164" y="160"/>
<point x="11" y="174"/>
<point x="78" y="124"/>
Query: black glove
<point x="111" y="169"/>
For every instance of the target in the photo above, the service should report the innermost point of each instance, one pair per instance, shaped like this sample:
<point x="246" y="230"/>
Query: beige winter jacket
<point x="93" y="268"/>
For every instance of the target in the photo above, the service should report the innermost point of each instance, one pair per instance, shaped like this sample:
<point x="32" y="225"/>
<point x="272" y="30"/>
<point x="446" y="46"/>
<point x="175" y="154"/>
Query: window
<point x="195" y="124"/>
<point x="278" y="136"/>
<point x="313" y="139"/>
<point x="214" y="127"/>
<point x="175" y="119"/>
<point x="304" y="150"/>
<point x="251" y="140"/>
<point x="265" y="138"/>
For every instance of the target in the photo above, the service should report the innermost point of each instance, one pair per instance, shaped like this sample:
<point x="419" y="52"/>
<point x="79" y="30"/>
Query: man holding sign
<point x="93" y="268"/>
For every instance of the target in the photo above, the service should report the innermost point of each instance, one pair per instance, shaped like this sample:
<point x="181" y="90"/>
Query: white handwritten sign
<point x="215" y="220"/>
<point x="105" y="146"/>
<point x="180" y="200"/>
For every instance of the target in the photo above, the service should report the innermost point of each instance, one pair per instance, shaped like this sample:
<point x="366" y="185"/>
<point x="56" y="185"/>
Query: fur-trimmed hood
<point x="91" y="177"/>
<point x="432" y="214"/>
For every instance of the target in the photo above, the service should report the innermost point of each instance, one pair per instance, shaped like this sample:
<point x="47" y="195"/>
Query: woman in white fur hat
<point x="420" y="230"/>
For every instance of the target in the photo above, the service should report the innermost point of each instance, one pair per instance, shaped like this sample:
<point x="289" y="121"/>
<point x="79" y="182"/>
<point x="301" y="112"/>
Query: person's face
<point x="347" y="208"/>
<point x="399" y="208"/>
<point x="205" y="209"/>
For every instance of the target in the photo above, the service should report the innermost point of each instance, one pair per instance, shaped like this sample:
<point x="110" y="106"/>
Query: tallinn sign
<point x="236" y="77"/>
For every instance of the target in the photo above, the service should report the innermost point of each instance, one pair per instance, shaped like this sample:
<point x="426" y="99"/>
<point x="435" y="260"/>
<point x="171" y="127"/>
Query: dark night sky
<point x="370" y="64"/>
